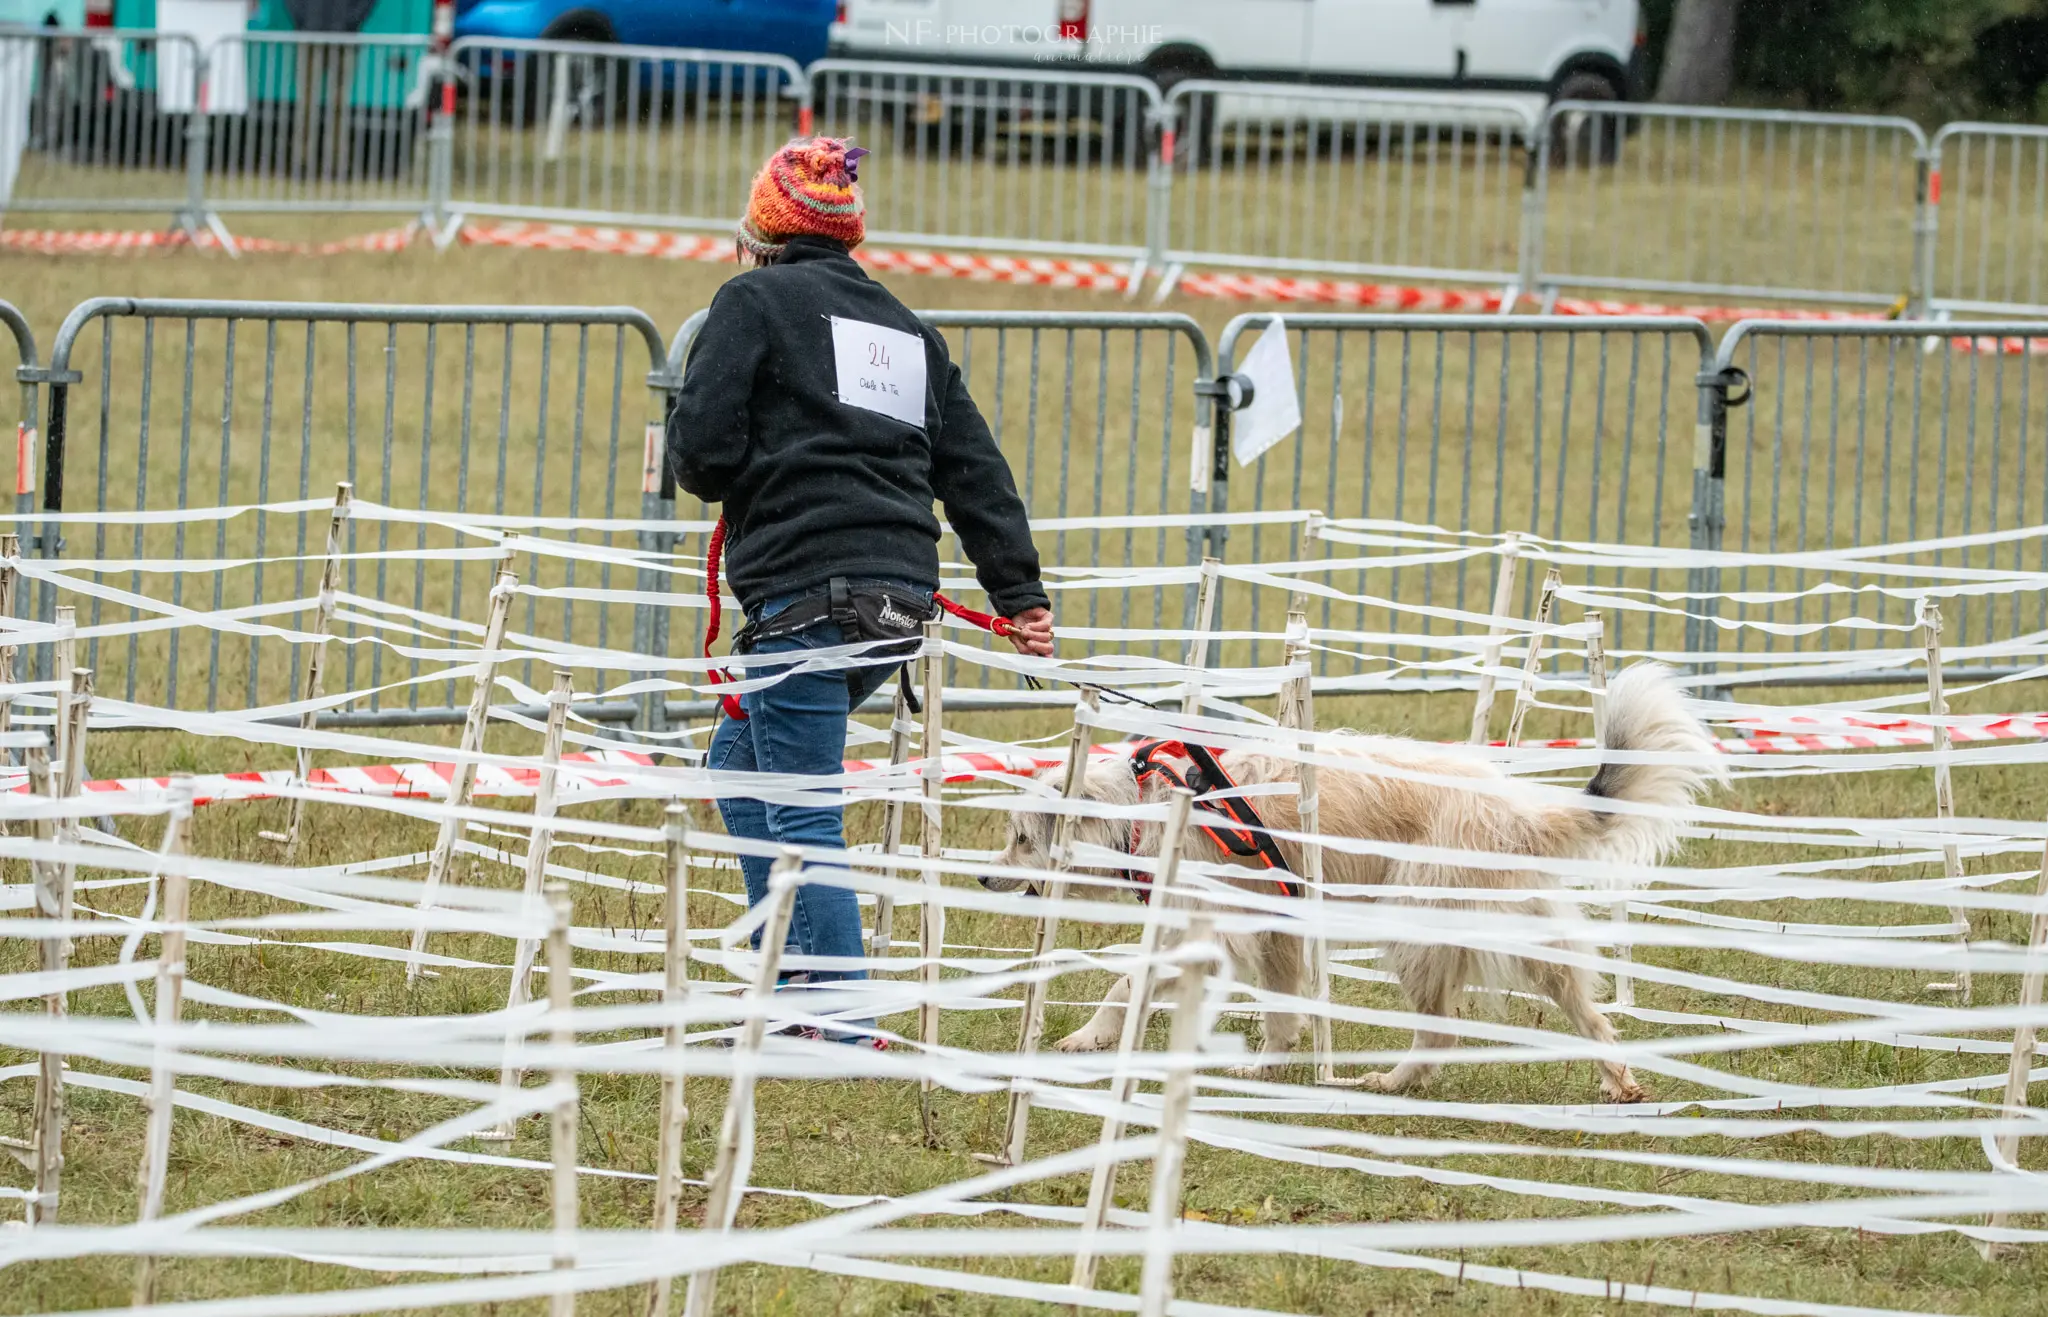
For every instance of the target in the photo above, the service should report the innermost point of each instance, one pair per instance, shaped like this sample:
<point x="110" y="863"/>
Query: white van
<point x="1563" y="49"/>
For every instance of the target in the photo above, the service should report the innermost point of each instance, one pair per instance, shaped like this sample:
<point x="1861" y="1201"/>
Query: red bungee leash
<point x="715" y="551"/>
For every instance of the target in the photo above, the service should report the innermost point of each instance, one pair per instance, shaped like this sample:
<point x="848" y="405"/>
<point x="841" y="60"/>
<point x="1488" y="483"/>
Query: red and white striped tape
<point x="1040" y="271"/>
<point x="429" y="781"/>
<point x="1045" y="271"/>
<point x="114" y="242"/>
<point x="1331" y="292"/>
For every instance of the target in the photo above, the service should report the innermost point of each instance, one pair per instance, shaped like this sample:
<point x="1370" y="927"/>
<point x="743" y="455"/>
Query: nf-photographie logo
<point x="1044" y="41"/>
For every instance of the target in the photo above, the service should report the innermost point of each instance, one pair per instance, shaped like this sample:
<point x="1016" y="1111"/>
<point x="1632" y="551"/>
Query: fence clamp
<point x="44" y="375"/>
<point x="1727" y="380"/>
<point x="1236" y="390"/>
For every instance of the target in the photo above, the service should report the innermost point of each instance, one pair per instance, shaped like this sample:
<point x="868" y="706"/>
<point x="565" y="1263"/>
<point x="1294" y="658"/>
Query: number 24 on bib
<point x="880" y="369"/>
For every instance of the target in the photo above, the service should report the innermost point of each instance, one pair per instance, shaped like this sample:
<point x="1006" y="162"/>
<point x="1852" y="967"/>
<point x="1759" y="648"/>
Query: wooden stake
<point x="464" y="777"/>
<point x="893" y="812"/>
<point x="10" y="585"/>
<point x="1155" y="1285"/>
<point x="1503" y="599"/>
<point x="728" y="1183"/>
<point x="56" y="958"/>
<point x="511" y="1076"/>
<point x="1596" y="687"/>
<point x="675" y="1108"/>
<point x="1944" y="790"/>
<point x="67" y="659"/>
<point x="77" y="709"/>
<point x="1298" y="713"/>
<point x="1144" y="976"/>
<point x="316" y="666"/>
<point x="1017" y="1128"/>
<point x="1206" y="597"/>
<point x="162" y="1099"/>
<point x="1525" y="694"/>
<point x="562" y="1131"/>
<point x="931" y="915"/>
<point x="1596" y="674"/>
<point x="2023" y="1044"/>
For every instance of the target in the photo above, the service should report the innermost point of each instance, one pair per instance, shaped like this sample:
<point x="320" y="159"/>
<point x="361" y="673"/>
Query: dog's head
<point x="1030" y="834"/>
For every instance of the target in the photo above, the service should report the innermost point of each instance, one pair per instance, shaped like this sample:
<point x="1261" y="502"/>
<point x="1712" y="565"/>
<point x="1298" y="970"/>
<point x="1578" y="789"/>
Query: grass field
<point x="861" y="1137"/>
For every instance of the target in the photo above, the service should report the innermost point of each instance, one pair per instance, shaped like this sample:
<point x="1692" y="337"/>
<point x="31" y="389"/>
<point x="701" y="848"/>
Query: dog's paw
<point x="1082" y="1041"/>
<point x="1623" y="1094"/>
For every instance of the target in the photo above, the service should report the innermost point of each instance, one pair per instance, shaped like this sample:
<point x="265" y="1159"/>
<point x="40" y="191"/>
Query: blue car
<point x="795" y="28"/>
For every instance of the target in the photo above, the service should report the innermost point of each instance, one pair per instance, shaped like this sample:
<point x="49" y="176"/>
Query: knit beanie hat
<point x="807" y="187"/>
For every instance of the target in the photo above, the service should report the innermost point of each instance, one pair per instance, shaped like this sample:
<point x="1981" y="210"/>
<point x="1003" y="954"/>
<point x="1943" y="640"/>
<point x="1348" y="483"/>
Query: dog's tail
<point x="1646" y="714"/>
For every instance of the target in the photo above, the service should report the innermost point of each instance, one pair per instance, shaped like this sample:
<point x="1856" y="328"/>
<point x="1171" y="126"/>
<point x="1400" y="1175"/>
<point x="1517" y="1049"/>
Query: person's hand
<point x="1033" y="635"/>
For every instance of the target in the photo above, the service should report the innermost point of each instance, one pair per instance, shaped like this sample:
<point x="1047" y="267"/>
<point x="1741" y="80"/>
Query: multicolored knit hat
<point x="807" y="187"/>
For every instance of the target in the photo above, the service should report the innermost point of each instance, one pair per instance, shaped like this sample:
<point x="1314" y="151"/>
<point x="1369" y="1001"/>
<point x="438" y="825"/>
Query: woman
<point x="826" y="419"/>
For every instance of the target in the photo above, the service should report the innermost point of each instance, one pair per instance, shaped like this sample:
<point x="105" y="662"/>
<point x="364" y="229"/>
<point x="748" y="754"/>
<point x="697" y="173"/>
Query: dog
<point x="1645" y="712"/>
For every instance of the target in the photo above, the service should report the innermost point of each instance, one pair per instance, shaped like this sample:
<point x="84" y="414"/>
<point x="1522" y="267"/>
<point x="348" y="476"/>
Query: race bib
<point x="880" y="369"/>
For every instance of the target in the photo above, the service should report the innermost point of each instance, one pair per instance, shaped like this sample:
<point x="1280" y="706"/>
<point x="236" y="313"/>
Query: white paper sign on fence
<point x="1275" y="410"/>
<point x="880" y="369"/>
<point x="216" y="28"/>
<point x="17" y="78"/>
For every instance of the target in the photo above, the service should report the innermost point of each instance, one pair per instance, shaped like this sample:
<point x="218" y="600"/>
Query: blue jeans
<point x="798" y="725"/>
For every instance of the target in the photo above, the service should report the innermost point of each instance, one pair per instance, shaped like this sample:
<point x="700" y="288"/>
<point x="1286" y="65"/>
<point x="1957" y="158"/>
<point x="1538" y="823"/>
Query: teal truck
<point x="352" y="105"/>
<point x="381" y="76"/>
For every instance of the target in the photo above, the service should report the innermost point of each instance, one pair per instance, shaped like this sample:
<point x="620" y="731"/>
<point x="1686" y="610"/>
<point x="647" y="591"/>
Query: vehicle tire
<point x="590" y="85"/>
<point x="1583" y="138"/>
<point x="952" y="118"/>
<point x="382" y="143"/>
<point x="1197" y="133"/>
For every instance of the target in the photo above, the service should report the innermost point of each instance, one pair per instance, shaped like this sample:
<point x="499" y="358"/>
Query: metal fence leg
<point x="650" y="629"/>
<point x="1535" y="191"/>
<point x="1158" y="198"/>
<point x="441" y="150"/>
<point x="49" y="542"/>
<point x="1709" y="517"/>
<point x="1210" y="476"/>
<point x="194" y="217"/>
<point x="1926" y="234"/>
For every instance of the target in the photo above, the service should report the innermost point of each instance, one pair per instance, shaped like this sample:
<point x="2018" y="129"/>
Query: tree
<point x="1699" y="55"/>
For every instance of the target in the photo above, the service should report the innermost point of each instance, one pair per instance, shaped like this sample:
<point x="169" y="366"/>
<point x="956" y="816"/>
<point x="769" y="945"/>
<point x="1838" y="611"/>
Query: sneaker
<point x="814" y="1034"/>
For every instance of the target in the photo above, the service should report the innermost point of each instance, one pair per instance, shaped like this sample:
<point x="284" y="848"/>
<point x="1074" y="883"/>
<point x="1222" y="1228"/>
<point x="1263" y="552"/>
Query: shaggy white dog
<point x="1645" y="712"/>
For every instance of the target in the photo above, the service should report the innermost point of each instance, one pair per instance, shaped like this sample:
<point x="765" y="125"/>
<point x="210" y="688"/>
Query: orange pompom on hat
<point x="807" y="187"/>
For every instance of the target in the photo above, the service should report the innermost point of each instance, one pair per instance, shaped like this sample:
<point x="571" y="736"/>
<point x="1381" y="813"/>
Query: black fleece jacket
<point x="815" y="488"/>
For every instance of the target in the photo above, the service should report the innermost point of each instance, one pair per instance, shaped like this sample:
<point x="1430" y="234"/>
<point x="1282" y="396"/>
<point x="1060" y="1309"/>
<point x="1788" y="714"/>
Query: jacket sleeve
<point x="709" y="425"/>
<point x="973" y="482"/>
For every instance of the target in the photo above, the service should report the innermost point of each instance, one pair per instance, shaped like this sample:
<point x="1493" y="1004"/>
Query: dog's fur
<point x="1645" y="712"/>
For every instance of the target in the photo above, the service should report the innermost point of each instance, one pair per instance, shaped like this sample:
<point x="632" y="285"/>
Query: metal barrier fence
<point x="618" y="134"/>
<point x="327" y="123"/>
<point x="1991" y="185"/>
<point x="1836" y="209"/>
<point x="1099" y="415"/>
<point x="1033" y="161"/>
<point x="1391" y="184"/>
<point x="1802" y="436"/>
<point x="1853" y="434"/>
<point x="1565" y="427"/>
<point x="507" y="411"/>
<point x="104" y="121"/>
<point x="28" y="373"/>
<point x="1742" y="203"/>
